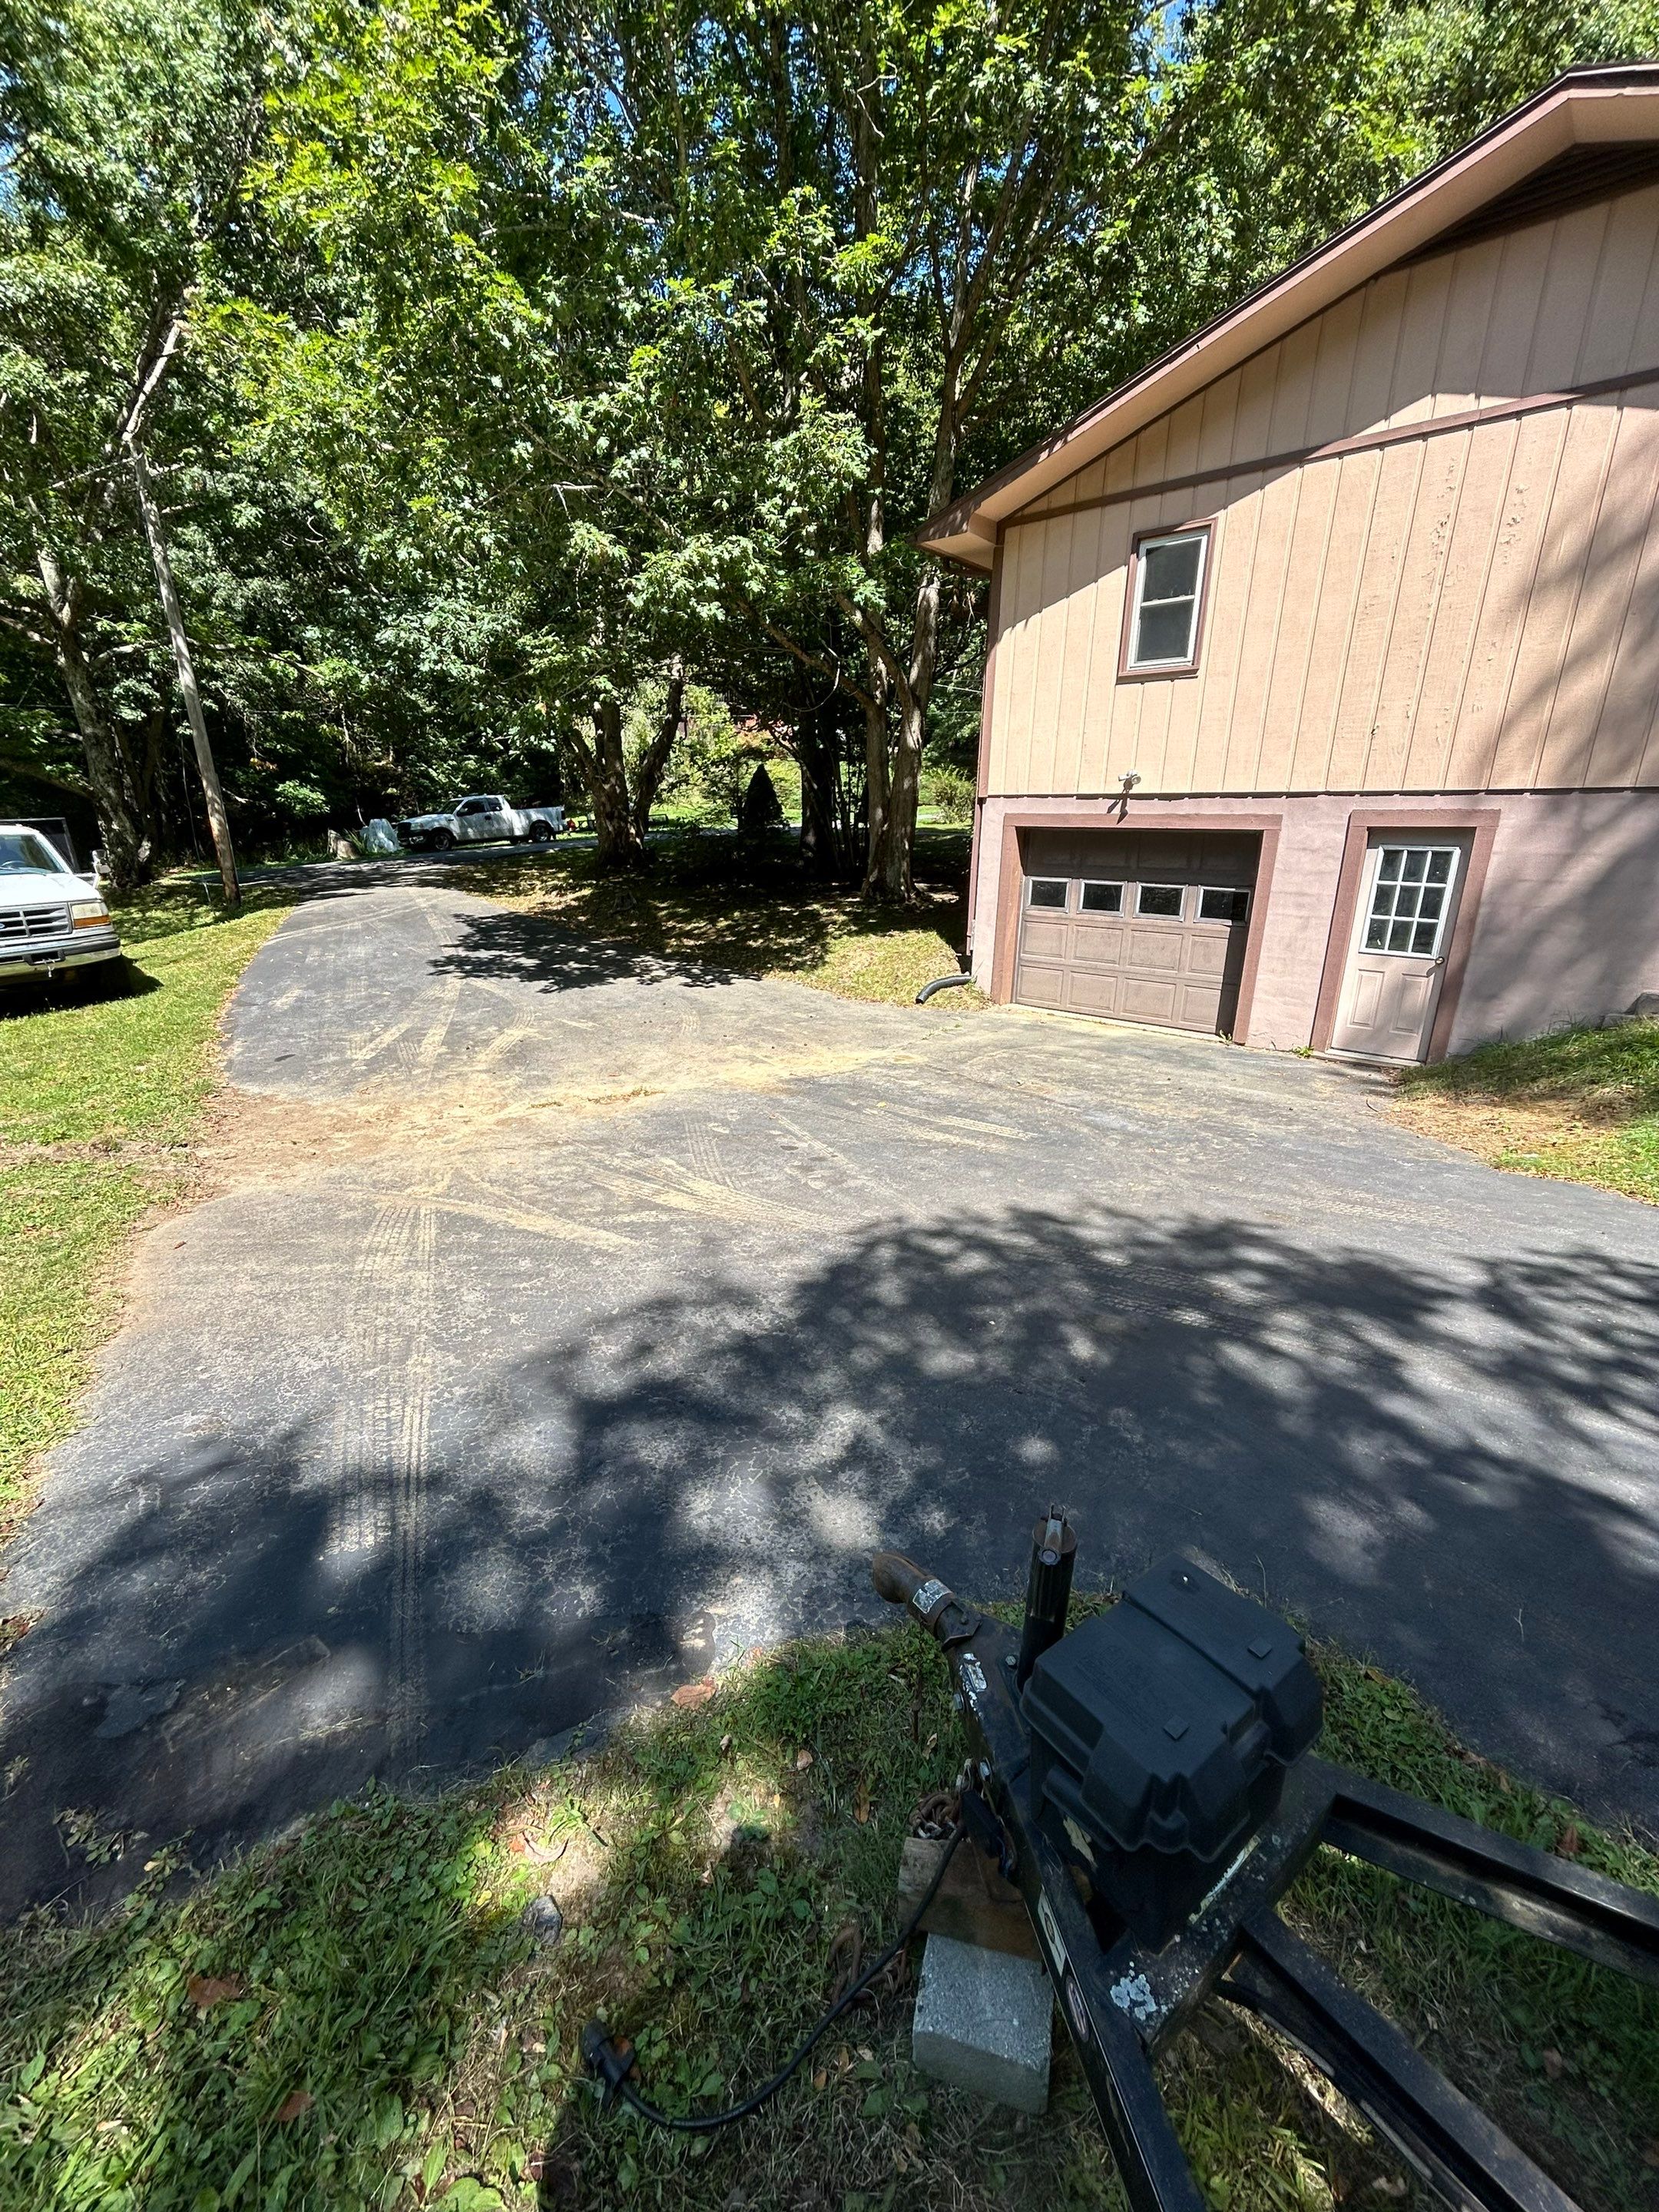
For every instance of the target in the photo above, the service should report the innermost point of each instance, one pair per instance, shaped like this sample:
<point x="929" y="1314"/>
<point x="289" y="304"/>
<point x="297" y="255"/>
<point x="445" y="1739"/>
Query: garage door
<point x="1146" y="926"/>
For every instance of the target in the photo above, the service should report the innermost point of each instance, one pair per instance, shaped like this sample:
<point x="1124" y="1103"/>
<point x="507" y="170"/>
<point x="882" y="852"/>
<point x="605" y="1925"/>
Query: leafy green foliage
<point x="505" y="360"/>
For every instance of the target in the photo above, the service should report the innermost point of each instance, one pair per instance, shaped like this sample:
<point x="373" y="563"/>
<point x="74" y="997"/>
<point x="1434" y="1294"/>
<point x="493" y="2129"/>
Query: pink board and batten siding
<point x="1471" y="610"/>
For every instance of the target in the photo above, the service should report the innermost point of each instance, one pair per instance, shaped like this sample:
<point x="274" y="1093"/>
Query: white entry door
<point x="1397" y="962"/>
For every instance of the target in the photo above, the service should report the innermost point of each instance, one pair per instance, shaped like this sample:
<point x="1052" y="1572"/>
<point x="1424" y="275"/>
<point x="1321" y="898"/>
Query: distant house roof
<point x="1594" y="131"/>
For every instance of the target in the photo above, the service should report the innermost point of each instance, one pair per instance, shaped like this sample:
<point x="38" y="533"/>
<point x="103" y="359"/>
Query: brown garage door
<point x="1144" y="924"/>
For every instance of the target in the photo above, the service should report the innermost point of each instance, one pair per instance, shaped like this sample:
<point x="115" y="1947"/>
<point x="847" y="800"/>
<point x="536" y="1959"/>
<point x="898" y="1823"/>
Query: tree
<point x="896" y="244"/>
<point x="438" y="361"/>
<point x="126" y="131"/>
<point x="531" y="362"/>
<point x="622" y="793"/>
<point x="875" y="224"/>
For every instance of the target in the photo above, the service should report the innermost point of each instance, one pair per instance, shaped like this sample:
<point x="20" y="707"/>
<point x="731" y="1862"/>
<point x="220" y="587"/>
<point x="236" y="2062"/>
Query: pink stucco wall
<point x="1567" y="927"/>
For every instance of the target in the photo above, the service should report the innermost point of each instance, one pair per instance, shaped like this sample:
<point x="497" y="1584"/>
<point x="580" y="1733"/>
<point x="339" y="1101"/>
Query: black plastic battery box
<point x="1161" y="1731"/>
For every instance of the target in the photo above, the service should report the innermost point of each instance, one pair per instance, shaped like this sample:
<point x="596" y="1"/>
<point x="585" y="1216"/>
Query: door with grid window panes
<point x="1397" y="962"/>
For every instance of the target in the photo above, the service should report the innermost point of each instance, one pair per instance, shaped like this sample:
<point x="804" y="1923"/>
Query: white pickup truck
<point x="49" y="917"/>
<point x="484" y="819"/>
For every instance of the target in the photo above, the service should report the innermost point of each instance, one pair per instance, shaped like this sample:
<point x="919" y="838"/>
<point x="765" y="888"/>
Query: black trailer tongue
<point x="1147" y="1783"/>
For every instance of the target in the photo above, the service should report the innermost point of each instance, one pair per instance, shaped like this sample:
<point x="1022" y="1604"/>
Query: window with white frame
<point x="1411" y="899"/>
<point x="1216" y="904"/>
<point x="1168" y="592"/>
<point x="1102" y="898"/>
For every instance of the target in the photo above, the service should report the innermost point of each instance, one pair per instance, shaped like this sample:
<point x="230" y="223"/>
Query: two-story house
<point x="1323" y="699"/>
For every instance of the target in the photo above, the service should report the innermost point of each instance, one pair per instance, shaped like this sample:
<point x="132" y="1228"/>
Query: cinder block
<point x="984" y="2022"/>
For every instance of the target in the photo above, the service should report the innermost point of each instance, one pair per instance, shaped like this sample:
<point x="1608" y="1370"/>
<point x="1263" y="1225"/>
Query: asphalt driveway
<point x="571" y="1320"/>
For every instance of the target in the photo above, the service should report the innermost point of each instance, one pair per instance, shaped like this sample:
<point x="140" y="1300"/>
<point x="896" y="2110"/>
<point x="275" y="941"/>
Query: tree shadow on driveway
<point x="1455" y="1476"/>
<point x="503" y="947"/>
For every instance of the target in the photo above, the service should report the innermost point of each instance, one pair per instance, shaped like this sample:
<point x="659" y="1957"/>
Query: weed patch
<point x="1580" y="1104"/>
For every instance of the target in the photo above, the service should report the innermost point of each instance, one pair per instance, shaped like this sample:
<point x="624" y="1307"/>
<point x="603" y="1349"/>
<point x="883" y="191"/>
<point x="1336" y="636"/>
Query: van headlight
<point x="89" y="914"/>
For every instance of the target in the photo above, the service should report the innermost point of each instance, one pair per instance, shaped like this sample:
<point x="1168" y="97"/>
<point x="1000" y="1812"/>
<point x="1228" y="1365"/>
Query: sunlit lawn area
<point x="1580" y="1104"/>
<point x="359" y="2016"/>
<point x="101" y="1080"/>
<point x="753" y="912"/>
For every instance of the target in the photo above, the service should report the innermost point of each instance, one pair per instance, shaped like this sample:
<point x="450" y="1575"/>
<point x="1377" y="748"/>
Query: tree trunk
<point x="892" y="852"/>
<point x="898" y="860"/>
<point x="606" y="772"/>
<point x="127" y="847"/>
<point x="146" y="773"/>
<point x="815" y="750"/>
<point x="876" y="795"/>
<point x="648" y="775"/>
<point x="218" y="820"/>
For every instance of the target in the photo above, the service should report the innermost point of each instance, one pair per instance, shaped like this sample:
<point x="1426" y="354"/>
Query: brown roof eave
<point x="966" y="550"/>
<point x="952" y="522"/>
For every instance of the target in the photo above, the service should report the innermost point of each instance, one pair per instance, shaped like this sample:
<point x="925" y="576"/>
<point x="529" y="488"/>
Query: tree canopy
<point x="510" y="376"/>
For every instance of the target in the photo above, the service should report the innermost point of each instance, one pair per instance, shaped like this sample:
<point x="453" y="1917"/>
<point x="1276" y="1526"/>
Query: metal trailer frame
<point x="1120" y="2003"/>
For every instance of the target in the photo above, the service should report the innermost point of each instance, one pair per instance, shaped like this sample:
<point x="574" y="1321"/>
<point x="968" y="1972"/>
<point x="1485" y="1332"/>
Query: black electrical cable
<point x="596" y="2042"/>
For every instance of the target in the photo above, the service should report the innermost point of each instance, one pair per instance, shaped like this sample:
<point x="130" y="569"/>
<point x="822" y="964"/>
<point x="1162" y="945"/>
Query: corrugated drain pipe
<point x="941" y="983"/>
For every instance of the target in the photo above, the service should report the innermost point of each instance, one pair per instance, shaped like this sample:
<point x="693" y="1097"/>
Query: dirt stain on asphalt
<point x="252" y="1139"/>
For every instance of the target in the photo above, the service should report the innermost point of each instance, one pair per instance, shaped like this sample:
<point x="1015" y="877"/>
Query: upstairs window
<point x="1167" y="598"/>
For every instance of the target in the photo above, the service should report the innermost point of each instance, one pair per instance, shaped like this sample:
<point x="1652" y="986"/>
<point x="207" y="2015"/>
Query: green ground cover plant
<point x="359" y="2015"/>
<point x="102" y="1080"/>
<point x="754" y="911"/>
<point x="1580" y="1104"/>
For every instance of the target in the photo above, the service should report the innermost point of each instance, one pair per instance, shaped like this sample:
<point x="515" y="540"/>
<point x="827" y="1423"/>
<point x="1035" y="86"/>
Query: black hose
<point x="596" y="2046"/>
<point x="940" y="983"/>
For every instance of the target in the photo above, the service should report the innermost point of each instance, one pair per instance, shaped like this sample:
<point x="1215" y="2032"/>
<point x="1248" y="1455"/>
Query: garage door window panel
<point x="1158" y="902"/>
<point x="1166" y="602"/>
<point x="1218" y="904"/>
<point x="1046" y="891"/>
<point x="1102" y="898"/>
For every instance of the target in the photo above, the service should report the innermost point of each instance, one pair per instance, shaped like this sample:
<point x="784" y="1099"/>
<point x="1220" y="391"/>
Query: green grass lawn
<point x="704" y="897"/>
<point x="100" y="1086"/>
<point x="357" y="2017"/>
<point x="1581" y="1103"/>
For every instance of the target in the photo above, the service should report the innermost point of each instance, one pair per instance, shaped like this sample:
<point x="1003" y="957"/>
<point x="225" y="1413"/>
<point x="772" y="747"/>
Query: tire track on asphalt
<point x="382" y="1447"/>
<point x="703" y="1151"/>
<point x="406" y="1706"/>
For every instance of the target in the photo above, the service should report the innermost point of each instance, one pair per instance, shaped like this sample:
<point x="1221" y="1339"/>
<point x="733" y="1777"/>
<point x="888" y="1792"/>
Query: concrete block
<point x="984" y="2022"/>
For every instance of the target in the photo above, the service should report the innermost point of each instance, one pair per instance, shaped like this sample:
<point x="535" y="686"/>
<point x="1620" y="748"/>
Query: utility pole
<point x="155" y="532"/>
